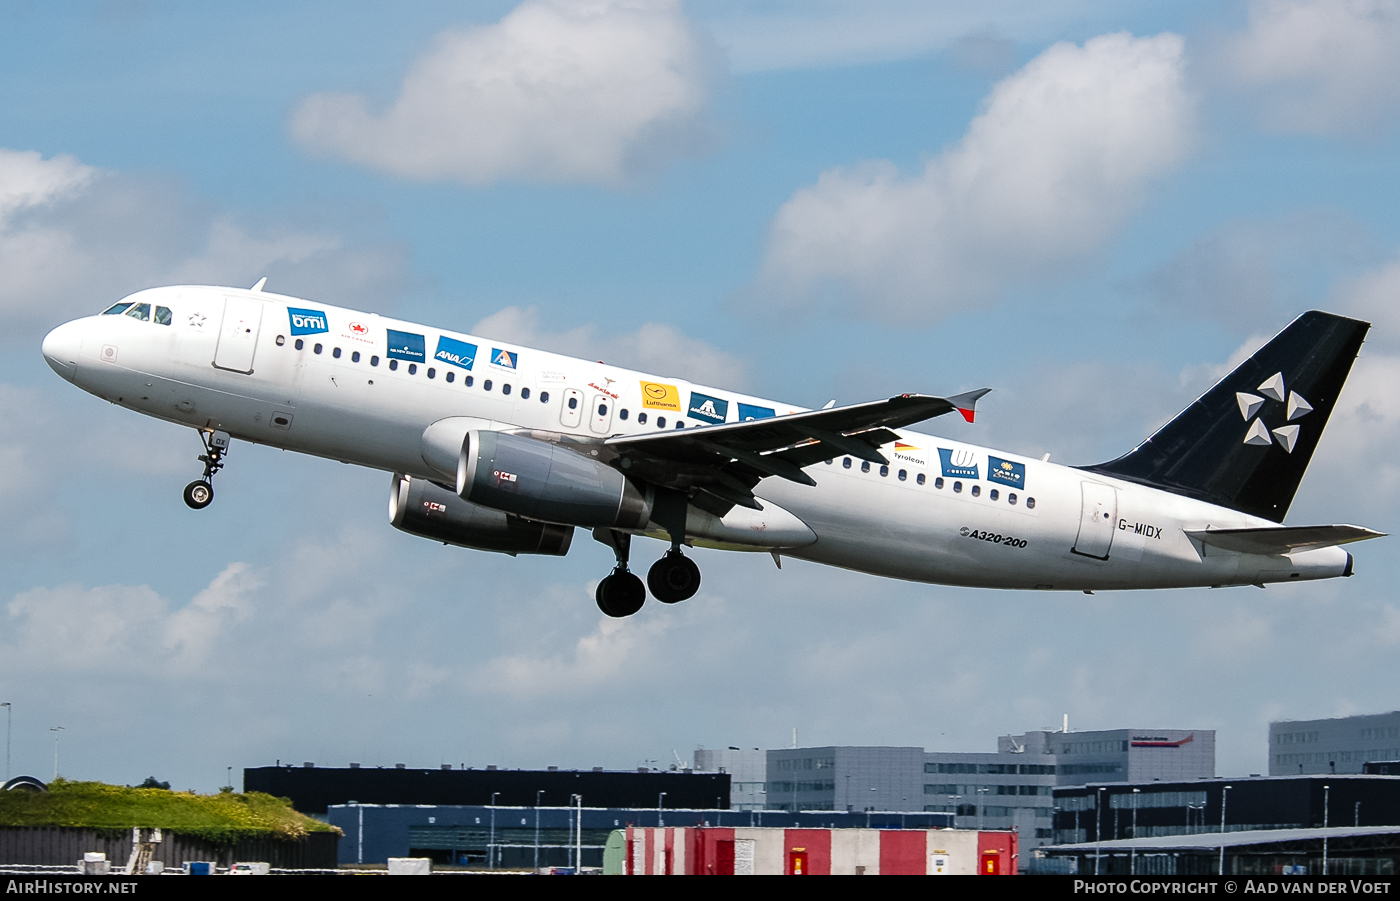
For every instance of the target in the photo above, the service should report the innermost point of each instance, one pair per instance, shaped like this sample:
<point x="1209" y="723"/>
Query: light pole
<point x="538" y="792"/>
<point x="491" y="845"/>
<point x="229" y="783"/>
<point x="1098" y="831"/>
<point x="1224" y="796"/>
<point x="660" y="805"/>
<point x="1132" y="855"/>
<point x="849" y="806"/>
<point x="55" y="730"/>
<point x="1326" y="796"/>
<point x="1357" y="821"/>
<point x="578" y="843"/>
<point x="9" y="711"/>
<point x="980" y="805"/>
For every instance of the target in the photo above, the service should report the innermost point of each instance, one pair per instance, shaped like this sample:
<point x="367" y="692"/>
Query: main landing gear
<point x="672" y="579"/>
<point x="200" y="493"/>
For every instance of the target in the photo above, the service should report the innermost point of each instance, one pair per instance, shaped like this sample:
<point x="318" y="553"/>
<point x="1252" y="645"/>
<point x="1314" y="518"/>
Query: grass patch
<point x="223" y="818"/>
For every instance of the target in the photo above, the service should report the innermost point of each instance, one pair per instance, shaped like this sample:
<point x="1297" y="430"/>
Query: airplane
<point x="504" y="448"/>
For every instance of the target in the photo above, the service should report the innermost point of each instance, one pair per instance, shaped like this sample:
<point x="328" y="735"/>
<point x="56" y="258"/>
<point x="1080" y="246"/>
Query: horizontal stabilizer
<point x="1283" y="539"/>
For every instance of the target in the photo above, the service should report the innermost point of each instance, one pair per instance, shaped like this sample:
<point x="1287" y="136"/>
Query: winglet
<point x="259" y="286"/>
<point x="966" y="402"/>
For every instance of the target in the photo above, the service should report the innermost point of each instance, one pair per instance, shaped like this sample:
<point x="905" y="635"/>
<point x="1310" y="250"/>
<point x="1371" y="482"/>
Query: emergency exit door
<point x="238" y="334"/>
<point x="1096" y="520"/>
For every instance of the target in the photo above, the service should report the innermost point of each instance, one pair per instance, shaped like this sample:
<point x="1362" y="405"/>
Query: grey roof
<point x="1207" y="840"/>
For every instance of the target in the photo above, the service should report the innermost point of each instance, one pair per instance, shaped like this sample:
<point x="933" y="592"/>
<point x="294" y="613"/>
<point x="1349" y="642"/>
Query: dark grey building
<point x="1338" y="745"/>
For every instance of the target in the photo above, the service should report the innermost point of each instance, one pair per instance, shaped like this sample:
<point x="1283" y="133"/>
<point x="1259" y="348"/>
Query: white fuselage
<point x="228" y="360"/>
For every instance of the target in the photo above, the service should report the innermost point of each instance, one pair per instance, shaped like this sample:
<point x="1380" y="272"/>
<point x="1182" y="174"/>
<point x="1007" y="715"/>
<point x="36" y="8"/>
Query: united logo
<point x="1295" y="407"/>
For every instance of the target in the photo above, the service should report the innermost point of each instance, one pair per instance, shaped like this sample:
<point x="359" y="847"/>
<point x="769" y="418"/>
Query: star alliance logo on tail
<point x="1260" y="435"/>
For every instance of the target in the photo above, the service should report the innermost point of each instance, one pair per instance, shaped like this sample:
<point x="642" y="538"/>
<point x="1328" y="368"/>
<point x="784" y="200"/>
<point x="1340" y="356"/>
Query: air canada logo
<point x="1259" y="434"/>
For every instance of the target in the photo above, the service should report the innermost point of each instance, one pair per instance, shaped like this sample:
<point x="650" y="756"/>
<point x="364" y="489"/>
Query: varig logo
<point x="1006" y="472"/>
<point x="709" y="409"/>
<point x="958" y="464"/>
<point x="307" y="322"/>
<point x="660" y="396"/>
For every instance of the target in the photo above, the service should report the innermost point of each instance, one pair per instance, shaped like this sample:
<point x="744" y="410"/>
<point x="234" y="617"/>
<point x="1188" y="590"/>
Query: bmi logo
<point x="1261" y="435"/>
<point x="307" y="322"/>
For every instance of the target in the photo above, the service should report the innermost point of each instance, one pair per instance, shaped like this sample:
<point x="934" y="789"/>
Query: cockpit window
<point x="116" y="309"/>
<point x="140" y="311"/>
<point x="162" y="315"/>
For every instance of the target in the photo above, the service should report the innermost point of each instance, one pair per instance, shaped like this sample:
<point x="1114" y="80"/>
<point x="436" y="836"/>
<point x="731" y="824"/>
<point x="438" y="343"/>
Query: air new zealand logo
<point x="1259" y="434"/>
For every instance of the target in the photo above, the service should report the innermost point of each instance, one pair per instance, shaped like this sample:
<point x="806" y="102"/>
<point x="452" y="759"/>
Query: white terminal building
<point x="1011" y="788"/>
<point x="1338" y="745"/>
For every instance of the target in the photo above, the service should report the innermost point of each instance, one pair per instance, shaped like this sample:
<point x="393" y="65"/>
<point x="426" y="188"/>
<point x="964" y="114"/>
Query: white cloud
<point x="74" y="238"/>
<point x="556" y="91"/>
<point x="1320" y="66"/>
<point x="1061" y="154"/>
<point x="654" y="347"/>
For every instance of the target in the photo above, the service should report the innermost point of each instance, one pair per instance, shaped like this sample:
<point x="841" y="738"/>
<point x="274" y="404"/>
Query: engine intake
<point x="539" y="480"/>
<point x="419" y="507"/>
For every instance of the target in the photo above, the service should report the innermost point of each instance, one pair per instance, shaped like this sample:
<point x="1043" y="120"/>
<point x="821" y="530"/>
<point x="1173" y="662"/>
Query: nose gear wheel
<point x="200" y="493"/>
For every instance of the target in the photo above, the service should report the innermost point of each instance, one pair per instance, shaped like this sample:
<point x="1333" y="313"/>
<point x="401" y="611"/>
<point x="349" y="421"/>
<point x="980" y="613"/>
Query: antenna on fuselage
<point x="259" y="286"/>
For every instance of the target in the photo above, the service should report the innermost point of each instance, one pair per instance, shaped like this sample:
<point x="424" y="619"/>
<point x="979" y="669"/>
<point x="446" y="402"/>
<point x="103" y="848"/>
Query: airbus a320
<point x="499" y="447"/>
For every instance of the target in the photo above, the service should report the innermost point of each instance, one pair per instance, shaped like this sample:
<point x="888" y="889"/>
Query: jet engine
<point x="419" y="507"/>
<point x="539" y="480"/>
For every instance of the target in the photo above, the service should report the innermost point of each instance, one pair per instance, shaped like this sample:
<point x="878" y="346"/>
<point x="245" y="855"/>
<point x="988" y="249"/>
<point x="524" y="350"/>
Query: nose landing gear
<point x="200" y="493"/>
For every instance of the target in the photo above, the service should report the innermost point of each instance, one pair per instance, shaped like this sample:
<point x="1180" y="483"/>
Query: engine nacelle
<point x="419" y="507"/>
<point x="539" y="480"/>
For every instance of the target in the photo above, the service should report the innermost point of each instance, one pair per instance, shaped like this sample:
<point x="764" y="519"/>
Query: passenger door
<point x="571" y="408"/>
<point x="1100" y="505"/>
<point x="601" y="414"/>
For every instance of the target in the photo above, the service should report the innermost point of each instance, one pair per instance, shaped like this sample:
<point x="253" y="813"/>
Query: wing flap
<point x="1282" y="539"/>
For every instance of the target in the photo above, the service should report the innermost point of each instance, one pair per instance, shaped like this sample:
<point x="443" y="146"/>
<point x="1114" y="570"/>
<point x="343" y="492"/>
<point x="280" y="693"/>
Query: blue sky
<point x="1090" y="208"/>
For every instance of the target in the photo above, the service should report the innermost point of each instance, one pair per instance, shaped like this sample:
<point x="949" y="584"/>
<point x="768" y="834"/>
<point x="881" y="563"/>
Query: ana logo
<point x="1006" y="472"/>
<point x="709" y="409"/>
<point x="359" y="328"/>
<point x="503" y="358"/>
<point x="958" y="464"/>
<point x="1295" y="407"/>
<point x="659" y="396"/>
<point x="458" y="353"/>
<point x="307" y="322"/>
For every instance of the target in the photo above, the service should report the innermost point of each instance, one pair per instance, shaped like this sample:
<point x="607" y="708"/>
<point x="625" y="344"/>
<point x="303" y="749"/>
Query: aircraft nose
<point x="61" y="347"/>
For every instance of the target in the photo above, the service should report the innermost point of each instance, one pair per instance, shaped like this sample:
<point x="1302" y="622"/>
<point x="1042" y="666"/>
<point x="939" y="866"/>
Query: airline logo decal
<point x="503" y="358"/>
<point x="749" y="412"/>
<point x="406" y="346"/>
<point x="307" y="322"/>
<point x="706" y="408"/>
<point x="458" y="353"/>
<point x="1006" y="472"/>
<point x="1160" y="741"/>
<point x="357" y="331"/>
<point x="908" y="453"/>
<point x="660" y="396"/>
<point x="958" y="464"/>
<point x="1259" y="434"/>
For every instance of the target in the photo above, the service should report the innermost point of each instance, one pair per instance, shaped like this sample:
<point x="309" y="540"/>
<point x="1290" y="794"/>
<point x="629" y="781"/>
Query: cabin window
<point x="140" y="311"/>
<point x="467" y="380"/>
<point x="373" y="360"/>
<point x="938" y="482"/>
<point x="903" y="474"/>
<point x="976" y="490"/>
<point x="884" y="470"/>
<point x="486" y="385"/>
<point x="865" y="466"/>
<point x="300" y="344"/>
<point x="602" y="409"/>
<point x="846" y="463"/>
<point x="524" y="393"/>
<point x="393" y="365"/>
<point x="162" y="316"/>
<point x="680" y="425"/>
<point x="317" y="349"/>
<point x="432" y="373"/>
<point x="505" y="389"/>
<point x="573" y="403"/>
<point x="281" y="340"/>
<point x="336" y="353"/>
<point x="661" y="422"/>
<point x="354" y="356"/>
<point x="544" y="397"/>
<point x="451" y="376"/>
<point x="116" y="309"/>
<point x="412" y="368"/>
<point x="622" y="414"/>
<point x="957" y="487"/>
<point x="919" y="478"/>
<point x="641" y="419"/>
<point x="1030" y="503"/>
<point x="993" y="494"/>
<point x="1011" y="498"/>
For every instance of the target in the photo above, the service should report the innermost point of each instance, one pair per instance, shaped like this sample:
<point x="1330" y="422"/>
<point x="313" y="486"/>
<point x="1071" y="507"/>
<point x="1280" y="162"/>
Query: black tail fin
<point x="1246" y="442"/>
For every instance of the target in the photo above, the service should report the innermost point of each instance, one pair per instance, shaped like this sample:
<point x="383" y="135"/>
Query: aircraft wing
<point x="726" y="461"/>
<point x="1282" y="539"/>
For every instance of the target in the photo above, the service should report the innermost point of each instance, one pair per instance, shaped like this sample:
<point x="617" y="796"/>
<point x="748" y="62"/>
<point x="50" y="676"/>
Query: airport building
<point x="747" y="771"/>
<point x="1340" y="745"/>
